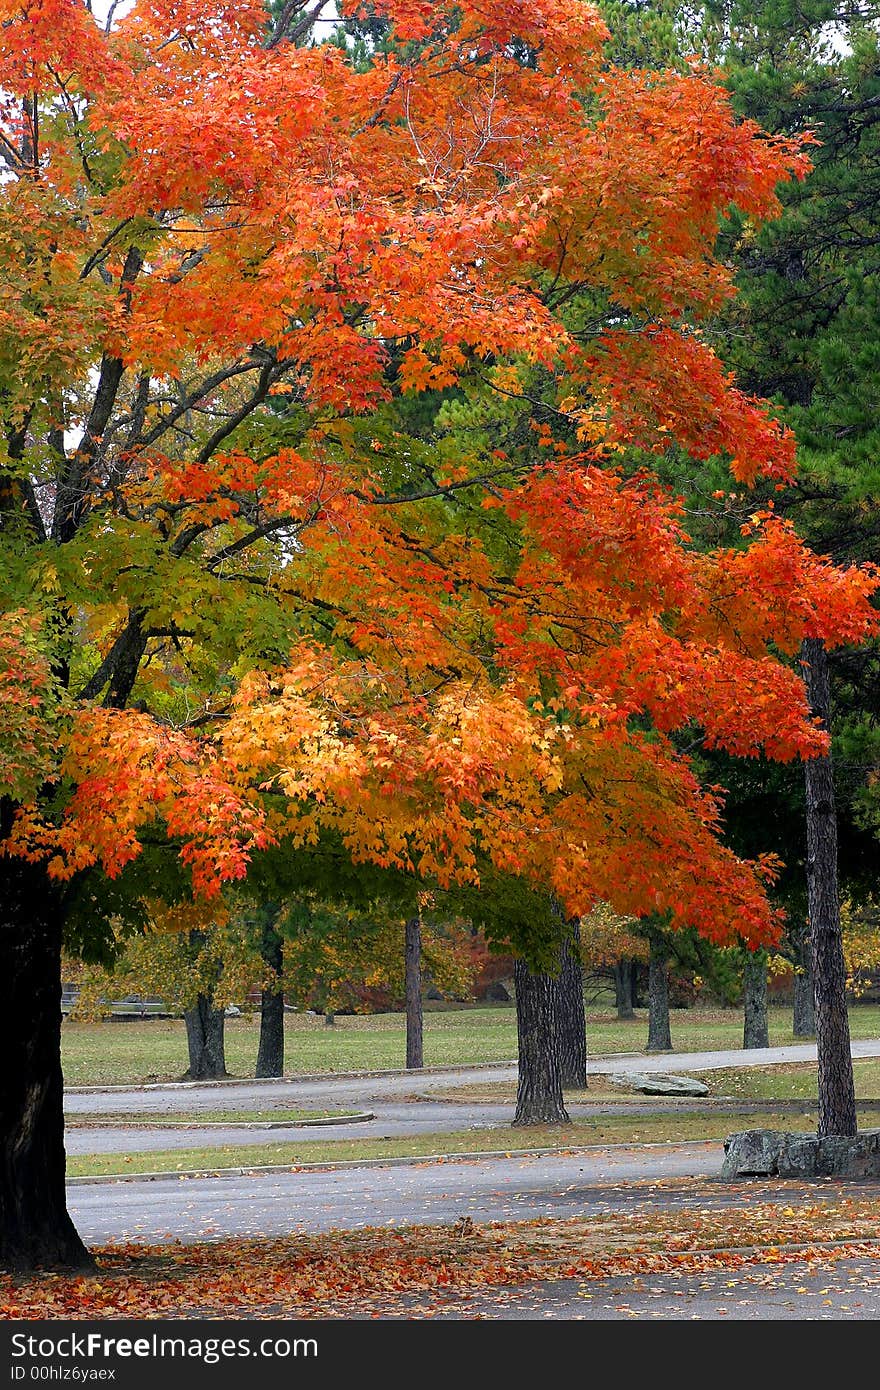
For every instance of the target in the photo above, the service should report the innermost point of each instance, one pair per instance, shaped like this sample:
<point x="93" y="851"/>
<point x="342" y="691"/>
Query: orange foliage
<point x="336" y="223"/>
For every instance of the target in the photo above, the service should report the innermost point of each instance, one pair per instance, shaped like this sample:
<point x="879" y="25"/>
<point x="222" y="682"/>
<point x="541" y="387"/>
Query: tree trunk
<point x="837" y="1098"/>
<point x="270" y="1052"/>
<point x="204" y="1037"/>
<point x="539" y="1088"/>
<point x="804" y="1013"/>
<point x="638" y="972"/>
<point x="414" y="1030"/>
<point x="36" y="1231"/>
<point x="572" y="1023"/>
<point x="659" y="1037"/>
<point x="756" y="1032"/>
<point x="623" y="988"/>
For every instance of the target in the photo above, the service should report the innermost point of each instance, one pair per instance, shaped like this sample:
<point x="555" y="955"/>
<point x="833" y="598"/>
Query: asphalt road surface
<point x="846" y="1290"/>
<point x="400" y="1102"/>
<point x="618" y="1180"/>
<point x="358" y="1089"/>
<point x="518" y="1188"/>
<point x="387" y="1122"/>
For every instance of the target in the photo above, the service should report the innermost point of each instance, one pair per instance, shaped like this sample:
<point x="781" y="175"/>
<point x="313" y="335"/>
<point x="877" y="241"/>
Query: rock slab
<point x="660" y="1083"/>
<point x="773" y="1153"/>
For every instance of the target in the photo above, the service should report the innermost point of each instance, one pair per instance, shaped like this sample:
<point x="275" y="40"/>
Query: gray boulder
<point x="765" y="1153"/>
<point x="660" y="1083"/>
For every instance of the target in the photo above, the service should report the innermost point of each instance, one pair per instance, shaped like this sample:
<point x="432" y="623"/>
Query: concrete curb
<point x="96" y="1122"/>
<point x="392" y="1162"/>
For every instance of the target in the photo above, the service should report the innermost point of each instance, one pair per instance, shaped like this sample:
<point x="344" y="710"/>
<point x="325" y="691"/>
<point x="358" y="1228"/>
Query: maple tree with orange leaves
<point x="248" y="622"/>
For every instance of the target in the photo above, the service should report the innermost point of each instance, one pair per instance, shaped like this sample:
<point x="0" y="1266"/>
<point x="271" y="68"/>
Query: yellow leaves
<point x="48" y="581"/>
<point x="507" y="378"/>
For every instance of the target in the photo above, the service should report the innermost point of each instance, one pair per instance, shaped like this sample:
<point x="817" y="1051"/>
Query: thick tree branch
<point x="72" y="499"/>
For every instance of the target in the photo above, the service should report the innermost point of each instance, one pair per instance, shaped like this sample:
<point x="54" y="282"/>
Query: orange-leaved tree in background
<point x="246" y="622"/>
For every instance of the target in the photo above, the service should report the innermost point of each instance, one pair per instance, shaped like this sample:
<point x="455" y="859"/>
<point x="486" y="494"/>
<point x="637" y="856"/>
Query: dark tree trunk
<point x="270" y="1052"/>
<point x="623" y="988"/>
<point x="638" y="983"/>
<point x="413" y="953"/>
<point x="659" y="1036"/>
<point x="756" y="1032"/>
<point x="539" y="1088"/>
<point x="36" y="1231"/>
<point x="804" y="1013"/>
<point x="204" y="1037"/>
<point x="837" y="1098"/>
<point x="572" y="1023"/>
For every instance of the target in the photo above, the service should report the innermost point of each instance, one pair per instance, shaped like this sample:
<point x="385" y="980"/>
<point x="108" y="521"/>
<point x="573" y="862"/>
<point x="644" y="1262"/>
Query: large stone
<point x="773" y="1153"/>
<point x="660" y="1083"/>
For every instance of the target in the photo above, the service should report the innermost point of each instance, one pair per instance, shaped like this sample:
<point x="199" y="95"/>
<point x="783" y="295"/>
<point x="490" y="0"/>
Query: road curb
<point x="392" y="1162"/>
<point x="95" y="1122"/>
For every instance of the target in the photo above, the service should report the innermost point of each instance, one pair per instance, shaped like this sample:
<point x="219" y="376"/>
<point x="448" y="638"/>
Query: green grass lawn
<point x="790" y="1082"/>
<point x="145" y="1120"/>
<point x="796" y="1081"/>
<point x="155" y="1049"/>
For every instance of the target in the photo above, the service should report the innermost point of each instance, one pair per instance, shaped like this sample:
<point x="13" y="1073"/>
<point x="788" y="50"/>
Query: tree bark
<point x="36" y="1231"/>
<point x="804" y="1010"/>
<point x="756" y="1032"/>
<point x="659" y="1036"/>
<point x="414" y="1021"/>
<point x="837" y="1099"/>
<point x="572" y="1024"/>
<point x="539" y="1087"/>
<point x="270" y="1052"/>
<point x="623" y="988"/>
<point x="204" y="1037"/>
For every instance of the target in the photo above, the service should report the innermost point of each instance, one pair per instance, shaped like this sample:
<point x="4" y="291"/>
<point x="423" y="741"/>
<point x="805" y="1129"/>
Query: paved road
<point x="388" y="1121"/>
<point x="400" y="1101"/>
<point x="375" y="1195"/>
<point x="843" y="1290"/>
<point x="614" y="1178"/>
<point x="356" y="1090"/>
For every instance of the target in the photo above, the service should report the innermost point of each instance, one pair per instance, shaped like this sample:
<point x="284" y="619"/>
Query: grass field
<point x="128" y="1052"/>
<point x="789" y="1082"/>
<point x="279" y="1116"/>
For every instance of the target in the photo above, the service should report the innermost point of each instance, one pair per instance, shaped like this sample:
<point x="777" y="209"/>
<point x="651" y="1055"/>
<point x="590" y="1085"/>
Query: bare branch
<point x="99" y="254"/>
<point x="294" y="7"/>
<point x="271" y="372"/>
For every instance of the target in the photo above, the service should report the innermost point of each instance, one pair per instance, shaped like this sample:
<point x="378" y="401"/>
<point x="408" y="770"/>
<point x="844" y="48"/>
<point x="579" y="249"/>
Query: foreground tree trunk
<point x="756" y="1032"/>
<point x="539" y="1086"/>
<point x="623" y="988"/>
<point x="572" y="1022"/>
<point x="204" y="1038"/>
<point x="804" y="1012"/>
<point x="659" y="1036"/>
<point x="414" y="1020"/>
<point x="36" y="1231"/>
<point x="837" y="1099"/>
<point x="270" y="1052"/>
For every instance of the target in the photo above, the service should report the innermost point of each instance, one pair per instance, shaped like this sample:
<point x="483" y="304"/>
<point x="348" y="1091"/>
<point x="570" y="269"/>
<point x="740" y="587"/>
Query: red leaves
<point x="361" y="1271"/>
<point x="129" y="772"/>
<point x="664" y="384"/>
